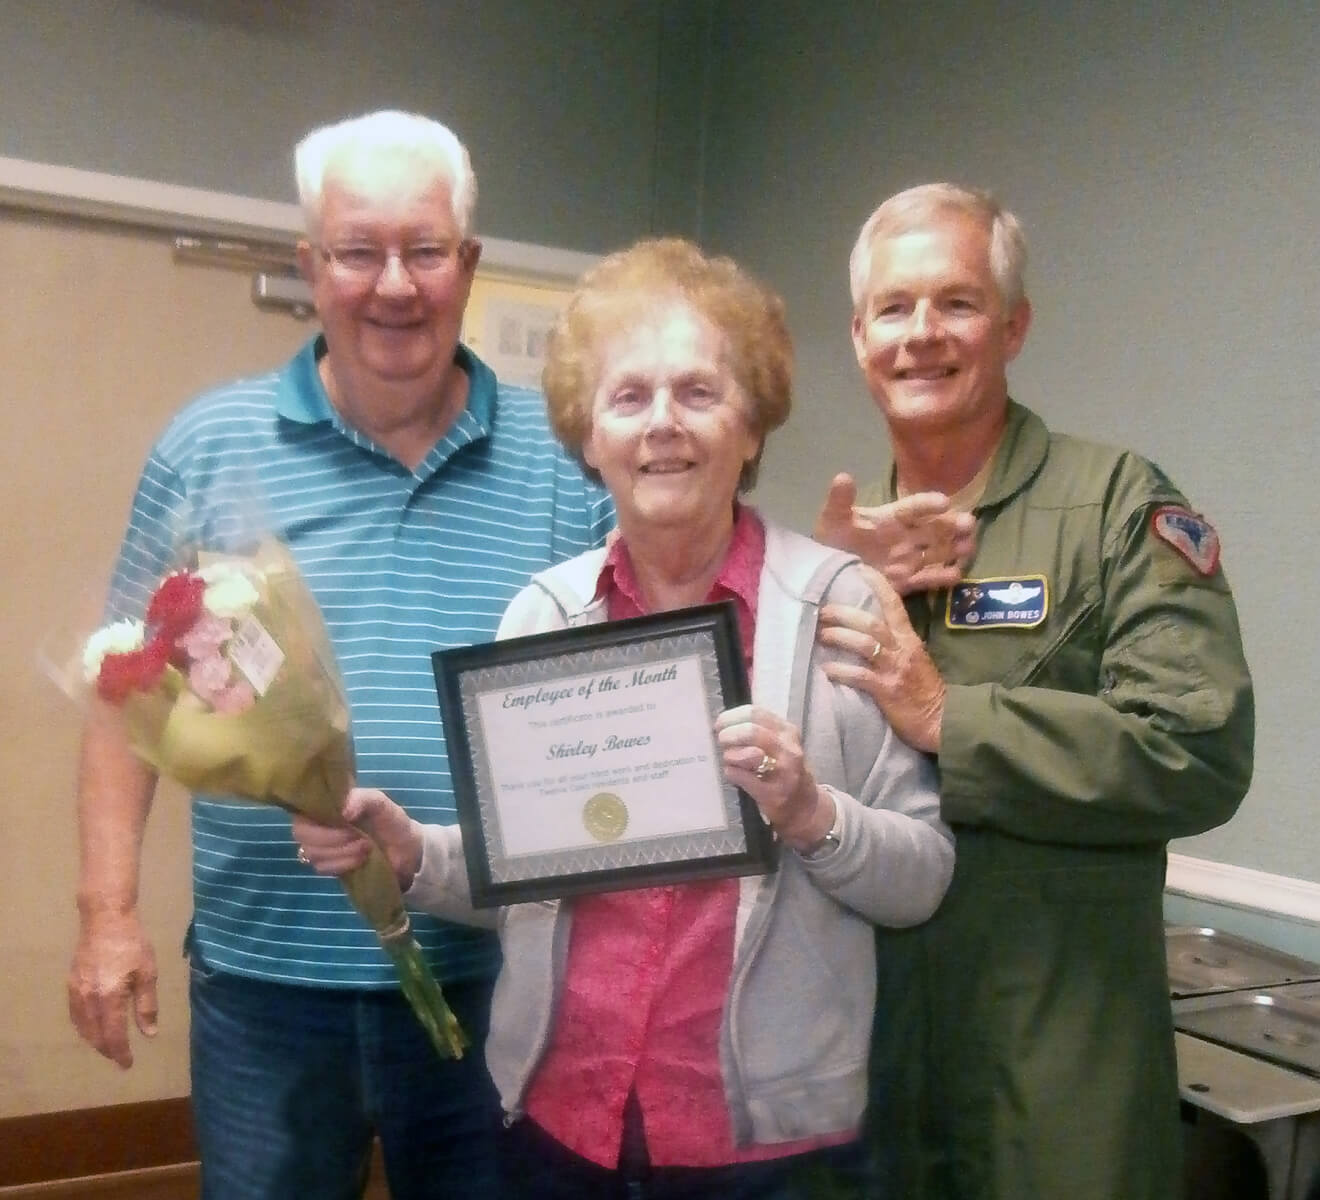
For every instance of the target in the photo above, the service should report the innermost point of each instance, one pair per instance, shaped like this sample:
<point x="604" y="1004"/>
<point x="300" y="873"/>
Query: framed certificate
<point x="585" y="759"/>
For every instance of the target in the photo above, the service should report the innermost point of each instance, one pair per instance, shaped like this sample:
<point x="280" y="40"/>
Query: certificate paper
<point x="585" y="759"/>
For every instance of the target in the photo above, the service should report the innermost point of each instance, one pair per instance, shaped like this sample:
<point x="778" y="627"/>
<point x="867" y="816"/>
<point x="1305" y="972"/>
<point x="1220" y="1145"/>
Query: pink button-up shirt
<point x="648" y="973"/>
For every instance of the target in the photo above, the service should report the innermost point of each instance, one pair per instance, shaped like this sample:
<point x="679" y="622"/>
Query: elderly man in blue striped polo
<point x="418" y="494"/>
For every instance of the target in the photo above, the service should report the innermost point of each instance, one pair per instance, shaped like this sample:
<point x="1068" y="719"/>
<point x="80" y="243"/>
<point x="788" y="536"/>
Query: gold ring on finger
<point x="766" y="767"/>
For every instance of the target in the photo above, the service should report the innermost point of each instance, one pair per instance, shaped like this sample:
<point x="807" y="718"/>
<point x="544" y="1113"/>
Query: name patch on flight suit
<point x="1192" y="536"/>
<point x="1014" y="602"/>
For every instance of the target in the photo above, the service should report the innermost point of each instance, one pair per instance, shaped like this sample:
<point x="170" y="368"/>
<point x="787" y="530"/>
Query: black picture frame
<point x="492" y="745"/>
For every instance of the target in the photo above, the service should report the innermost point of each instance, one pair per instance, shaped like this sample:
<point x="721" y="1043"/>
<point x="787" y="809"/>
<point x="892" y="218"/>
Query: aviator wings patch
<point x="1012" y="602"/>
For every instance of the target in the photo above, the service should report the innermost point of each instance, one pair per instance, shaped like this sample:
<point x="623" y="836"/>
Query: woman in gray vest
<point x="711" y="1037"/>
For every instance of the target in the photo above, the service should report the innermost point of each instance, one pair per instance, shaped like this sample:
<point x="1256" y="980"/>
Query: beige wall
<point x="103" y="338"/>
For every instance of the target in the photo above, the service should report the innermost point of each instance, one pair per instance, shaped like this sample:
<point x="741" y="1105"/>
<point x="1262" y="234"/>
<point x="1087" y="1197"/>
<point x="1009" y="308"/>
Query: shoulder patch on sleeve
<point x="1192" y="536"/>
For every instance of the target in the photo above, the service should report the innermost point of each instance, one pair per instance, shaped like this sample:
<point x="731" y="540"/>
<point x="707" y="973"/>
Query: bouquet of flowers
<point x="229" y="686"/>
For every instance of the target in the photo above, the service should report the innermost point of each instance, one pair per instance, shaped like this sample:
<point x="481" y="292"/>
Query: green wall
<point x="1165" y="160"/>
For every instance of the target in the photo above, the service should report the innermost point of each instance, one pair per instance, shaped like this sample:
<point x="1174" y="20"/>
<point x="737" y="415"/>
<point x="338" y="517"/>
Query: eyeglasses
<point x="364" y="262"/>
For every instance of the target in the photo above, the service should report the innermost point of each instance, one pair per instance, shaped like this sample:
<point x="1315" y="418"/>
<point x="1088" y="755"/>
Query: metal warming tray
<point x="1301" y="993"/>
<point x="1266" y="1025"/>
<point x="1245" y="1091"/>
<point x="1203" y="961"/>
<point x="1231" y="1095"/>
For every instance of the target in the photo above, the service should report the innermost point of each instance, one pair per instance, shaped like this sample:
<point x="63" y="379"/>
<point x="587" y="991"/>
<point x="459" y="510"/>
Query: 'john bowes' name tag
<point x="1015" y="602"/>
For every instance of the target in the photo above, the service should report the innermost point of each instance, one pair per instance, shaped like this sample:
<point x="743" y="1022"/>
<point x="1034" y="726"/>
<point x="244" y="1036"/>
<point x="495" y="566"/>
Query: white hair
<point x="329" y="149"/>
<point x="916" y="208"/>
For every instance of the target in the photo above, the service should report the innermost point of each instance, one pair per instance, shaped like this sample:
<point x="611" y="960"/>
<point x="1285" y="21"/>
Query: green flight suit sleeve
<point x="1162" y="750"/>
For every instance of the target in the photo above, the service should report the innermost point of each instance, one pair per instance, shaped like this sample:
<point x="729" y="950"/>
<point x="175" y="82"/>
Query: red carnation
<point x="136" y="671"/>
<point x="176" y="605"/>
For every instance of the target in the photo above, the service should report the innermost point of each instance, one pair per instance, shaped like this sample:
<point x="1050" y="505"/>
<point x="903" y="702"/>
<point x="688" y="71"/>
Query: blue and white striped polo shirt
<point x="402" y="563"/>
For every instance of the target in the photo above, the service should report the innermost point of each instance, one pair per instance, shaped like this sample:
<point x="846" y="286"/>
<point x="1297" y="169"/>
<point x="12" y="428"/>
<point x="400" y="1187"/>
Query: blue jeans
<point x="534" y="1166"/>
<point x="290" y="1083"/>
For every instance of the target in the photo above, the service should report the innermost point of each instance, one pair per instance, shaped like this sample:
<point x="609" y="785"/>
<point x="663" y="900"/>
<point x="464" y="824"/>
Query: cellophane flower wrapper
<point x="229" y="687"/>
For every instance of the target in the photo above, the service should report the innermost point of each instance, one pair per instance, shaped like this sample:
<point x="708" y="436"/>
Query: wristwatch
<point x="829" y="843"/>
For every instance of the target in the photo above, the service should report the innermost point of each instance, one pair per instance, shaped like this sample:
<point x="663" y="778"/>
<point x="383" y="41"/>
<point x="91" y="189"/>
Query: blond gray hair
<point x="916" y="208"/>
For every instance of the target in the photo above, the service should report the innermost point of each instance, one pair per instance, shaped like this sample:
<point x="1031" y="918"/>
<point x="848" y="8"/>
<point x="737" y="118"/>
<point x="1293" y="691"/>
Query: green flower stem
<point x="424" y="995"/>
<point x="375" y="893"/>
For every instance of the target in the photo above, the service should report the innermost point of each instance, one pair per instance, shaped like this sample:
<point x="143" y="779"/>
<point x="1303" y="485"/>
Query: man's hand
<point x="895" y="670"/>
<point x="114" y="967"/>
<point x="919" y="542"/>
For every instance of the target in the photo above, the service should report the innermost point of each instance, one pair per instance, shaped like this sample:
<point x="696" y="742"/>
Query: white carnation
<point x="229" y="591"/>
<point x="120" y="638"/>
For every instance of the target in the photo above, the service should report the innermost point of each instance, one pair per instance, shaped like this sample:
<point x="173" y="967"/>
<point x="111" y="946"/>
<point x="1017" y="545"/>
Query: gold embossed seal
<point x="605" y="816"/>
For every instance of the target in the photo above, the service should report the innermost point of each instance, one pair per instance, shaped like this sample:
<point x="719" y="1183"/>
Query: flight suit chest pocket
<point x="1061" y="652"/>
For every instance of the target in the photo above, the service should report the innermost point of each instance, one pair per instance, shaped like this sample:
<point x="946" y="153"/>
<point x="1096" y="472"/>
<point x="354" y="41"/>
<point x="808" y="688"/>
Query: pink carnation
<point x="236" y="698"/>
<point x="209" y="676"/>
<point x="205" y="638"/>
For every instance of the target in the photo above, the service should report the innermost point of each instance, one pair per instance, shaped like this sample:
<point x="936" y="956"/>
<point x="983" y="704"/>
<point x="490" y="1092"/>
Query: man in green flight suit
<point x="1064" y="642"/>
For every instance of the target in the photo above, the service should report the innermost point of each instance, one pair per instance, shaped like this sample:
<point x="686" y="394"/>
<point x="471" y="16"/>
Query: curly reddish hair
<point x="631" y="284"/>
